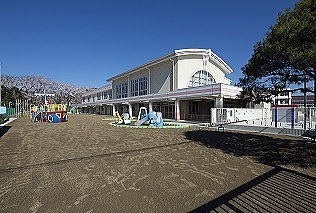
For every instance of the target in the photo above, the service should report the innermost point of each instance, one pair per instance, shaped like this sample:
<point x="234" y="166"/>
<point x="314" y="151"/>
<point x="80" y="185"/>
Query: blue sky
<point x="86" y="42"/>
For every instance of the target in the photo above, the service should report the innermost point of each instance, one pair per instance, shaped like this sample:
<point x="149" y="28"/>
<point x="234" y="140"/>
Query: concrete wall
<point x="161" y="77"/>
<point x="139" y="74"/>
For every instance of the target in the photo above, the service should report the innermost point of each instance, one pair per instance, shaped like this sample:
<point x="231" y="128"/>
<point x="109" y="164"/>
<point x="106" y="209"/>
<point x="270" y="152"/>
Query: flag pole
<point x="0" y="80"/>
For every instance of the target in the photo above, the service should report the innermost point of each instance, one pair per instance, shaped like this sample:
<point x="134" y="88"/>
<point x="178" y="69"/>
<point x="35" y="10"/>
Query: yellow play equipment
<point x="55" y="107"/>
<point x="124" y="119"/>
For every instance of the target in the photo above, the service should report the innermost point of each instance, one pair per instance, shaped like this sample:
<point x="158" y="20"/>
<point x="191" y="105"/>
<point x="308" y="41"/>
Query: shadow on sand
<point x="271" y="186"/>
<point x="4" y="129"/>
<point x="264" y="149"/>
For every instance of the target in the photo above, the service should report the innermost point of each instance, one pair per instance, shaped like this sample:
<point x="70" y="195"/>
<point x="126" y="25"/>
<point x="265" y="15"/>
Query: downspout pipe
<point x="173" y="74"/>
<point x="149" y="80"/>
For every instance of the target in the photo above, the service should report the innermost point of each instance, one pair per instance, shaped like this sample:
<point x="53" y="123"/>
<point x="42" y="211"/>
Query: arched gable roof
<point x="208" y="53"/>
<point x="220" y="63"/>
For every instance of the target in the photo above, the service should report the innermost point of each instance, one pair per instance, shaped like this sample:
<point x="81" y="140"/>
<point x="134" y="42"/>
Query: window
<point x="284" y="101"/>
<point x="139" y="86"/>
<point x="121" y="90"/>
<point x="143" y="86"/>
<point x="201" y="78"/>
<point x="109" y="95"/>
<point x="284" y="94"/>
<point x="106" y="94"/>
<point x="194" y="108"/>
<point x="134" y="87"/>
<point x="124" y="90"/>
<point x="118" y="90"/>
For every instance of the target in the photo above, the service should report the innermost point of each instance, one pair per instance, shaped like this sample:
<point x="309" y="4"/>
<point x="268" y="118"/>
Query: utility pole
<point x="305" y="103"/>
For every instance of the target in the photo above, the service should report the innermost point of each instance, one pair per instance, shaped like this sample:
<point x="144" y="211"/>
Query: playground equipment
<point x="153" y="118"/>
<point x="51" y="113"/>
<point x="124" y="119"/>
<point x="142" y="113"/>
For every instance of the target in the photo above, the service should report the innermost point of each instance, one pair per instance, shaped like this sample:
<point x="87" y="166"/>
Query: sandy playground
<point x="87" y="165"/>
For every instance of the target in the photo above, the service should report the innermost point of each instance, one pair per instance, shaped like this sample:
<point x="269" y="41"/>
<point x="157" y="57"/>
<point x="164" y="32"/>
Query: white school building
<point x="183" y="85"/>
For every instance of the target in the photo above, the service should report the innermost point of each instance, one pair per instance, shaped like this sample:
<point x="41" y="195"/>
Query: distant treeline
<point x="25" y="87"/>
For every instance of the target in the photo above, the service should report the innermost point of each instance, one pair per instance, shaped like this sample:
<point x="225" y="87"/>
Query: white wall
<point x="189" y="64"/>
<point x="238" y="114"/>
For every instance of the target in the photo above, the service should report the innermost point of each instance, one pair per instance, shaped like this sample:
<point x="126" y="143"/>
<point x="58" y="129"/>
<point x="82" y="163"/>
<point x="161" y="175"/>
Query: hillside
<point x="30" y="85"/>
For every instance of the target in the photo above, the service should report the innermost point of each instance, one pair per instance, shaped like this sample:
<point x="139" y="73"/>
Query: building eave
<point x="213" y="90"/>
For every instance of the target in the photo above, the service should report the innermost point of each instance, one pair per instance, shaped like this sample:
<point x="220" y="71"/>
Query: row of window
<point x="104" y="95"/>
<point x="137" y="87"/>
<point x="121" y="90"/>
<point x="140" y="86"/>
<point x="99" y="96"/>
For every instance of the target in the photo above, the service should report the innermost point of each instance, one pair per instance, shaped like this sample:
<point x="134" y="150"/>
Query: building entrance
<point x="166" y="108"/>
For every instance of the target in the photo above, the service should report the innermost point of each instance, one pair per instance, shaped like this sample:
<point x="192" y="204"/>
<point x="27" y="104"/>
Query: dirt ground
<point x="87" y="165"/>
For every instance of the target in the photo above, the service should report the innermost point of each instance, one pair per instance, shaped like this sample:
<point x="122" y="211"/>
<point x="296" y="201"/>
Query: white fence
<point x="281" y="117"/>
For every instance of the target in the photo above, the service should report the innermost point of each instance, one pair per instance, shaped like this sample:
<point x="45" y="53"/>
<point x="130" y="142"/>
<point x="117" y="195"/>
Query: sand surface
<point x="87" y="165"/>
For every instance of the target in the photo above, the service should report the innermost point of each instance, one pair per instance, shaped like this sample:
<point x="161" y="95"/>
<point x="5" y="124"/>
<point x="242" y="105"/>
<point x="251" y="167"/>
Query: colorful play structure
<point x="151" y="119"/>
<point x="51" y="113"/>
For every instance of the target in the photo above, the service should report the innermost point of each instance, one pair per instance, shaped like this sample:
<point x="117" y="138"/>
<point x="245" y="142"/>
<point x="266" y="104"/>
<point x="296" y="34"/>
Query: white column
<point x="113" y="107"/>
<point x="150" y="106"/>
<point x="177" y="109"/>
<point x="128" y="87"/>
<point x="130" y="112"/>
<point x="219" y="102"/>
<point x="213" y="115"/>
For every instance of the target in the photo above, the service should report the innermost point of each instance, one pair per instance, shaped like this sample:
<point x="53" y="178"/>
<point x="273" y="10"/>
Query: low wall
<point x="231" y="115"/>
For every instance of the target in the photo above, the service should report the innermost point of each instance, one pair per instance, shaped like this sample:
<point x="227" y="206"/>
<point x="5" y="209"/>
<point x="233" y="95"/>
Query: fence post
<point x="276" y="117"/>
<point x="310" y="118"/>
<point x="305" y="103"/>
<point x="293" y="118"/>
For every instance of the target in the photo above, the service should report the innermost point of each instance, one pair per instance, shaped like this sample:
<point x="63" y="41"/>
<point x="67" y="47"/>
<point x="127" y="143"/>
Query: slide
<point x="141" y="121"/>
<point x="154" y="118"/>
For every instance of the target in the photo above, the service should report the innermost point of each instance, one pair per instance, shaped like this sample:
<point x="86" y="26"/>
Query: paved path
<point x="279" y="190"/>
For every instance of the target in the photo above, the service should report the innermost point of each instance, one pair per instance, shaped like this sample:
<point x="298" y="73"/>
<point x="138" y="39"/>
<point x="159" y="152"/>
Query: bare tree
<point x="29" y="85"/>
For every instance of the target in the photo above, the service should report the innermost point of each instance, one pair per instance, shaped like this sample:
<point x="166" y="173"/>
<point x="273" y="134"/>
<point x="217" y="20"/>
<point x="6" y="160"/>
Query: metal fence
<point x="10" y="112"/>
<point x="21" y="108"/>
<point x="310" y="117"/>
